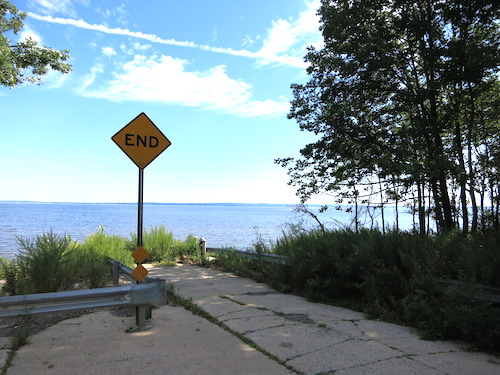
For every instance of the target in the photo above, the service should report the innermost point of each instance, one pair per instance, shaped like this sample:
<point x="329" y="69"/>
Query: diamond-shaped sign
<point x="139" y="273"/>
<point x="140" y="254"/>
<point x="141" y="140"/>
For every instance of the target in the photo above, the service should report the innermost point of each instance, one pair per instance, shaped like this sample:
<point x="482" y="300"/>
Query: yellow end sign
<point x="141" y="140"/>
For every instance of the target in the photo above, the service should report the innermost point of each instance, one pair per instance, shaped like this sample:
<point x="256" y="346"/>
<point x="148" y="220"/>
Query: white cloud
<point x="287" y="40"/>
<point x="50" y="7"/>
<point x="282" y="36"/>
<point x="26" y="33"/>
<point x="142" y="47"/>
<point x="118" y="14"/>
<point x="108" y="51"/>
<point x="54" y="79"/>
<point x="166" y="80"/>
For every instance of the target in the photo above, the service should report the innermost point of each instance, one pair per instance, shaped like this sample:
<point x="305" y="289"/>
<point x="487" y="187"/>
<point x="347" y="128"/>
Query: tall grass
<point x="112" y="246"/>
<point x="163" y="247"/>
<point x="51" y="262"/>
<point x="42" y="264"/>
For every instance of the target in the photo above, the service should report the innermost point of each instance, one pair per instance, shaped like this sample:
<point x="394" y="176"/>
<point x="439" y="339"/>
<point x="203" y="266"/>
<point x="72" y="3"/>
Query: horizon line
<point x="165" y="203"/>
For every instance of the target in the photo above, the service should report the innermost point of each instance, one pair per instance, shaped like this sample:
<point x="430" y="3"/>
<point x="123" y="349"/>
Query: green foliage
<point x="8" y="271"/>
<point x="159" y="242"/>
<point x="20" y="339"/>
<point x="50" y="262"/>
<point x="17" y="58"/>
<point x="87" y="266"/>
<point x="397" y="277"/>
<point x="163" y="247"/>
<point x="403" y="99"/>
<point x="116" y="247"/>
<point x="41" y="263"/>
<point x="452" y="312"/>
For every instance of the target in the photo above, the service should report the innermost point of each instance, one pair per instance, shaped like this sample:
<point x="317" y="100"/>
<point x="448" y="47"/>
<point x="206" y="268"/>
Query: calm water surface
<point x="222" y="225"/>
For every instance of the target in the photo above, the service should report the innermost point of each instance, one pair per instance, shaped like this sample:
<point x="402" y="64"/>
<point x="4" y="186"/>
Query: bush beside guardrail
<point x="150" y="293"/>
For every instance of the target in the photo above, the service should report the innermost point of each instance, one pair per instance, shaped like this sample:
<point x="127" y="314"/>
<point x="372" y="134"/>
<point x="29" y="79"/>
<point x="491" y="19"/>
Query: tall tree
<point x="17" y="58"/>
<point x="384" y="92"/>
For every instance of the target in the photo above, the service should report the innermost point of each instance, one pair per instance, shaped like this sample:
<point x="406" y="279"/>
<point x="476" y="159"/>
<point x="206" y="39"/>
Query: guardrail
<point x="265" y="257"/>
<point x="486" y="292"/>
<point x="150" y="293"/>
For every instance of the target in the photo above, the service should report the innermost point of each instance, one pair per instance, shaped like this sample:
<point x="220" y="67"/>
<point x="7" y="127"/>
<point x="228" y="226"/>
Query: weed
<point x="233" y="300"/>
<point x="19" y="339"/>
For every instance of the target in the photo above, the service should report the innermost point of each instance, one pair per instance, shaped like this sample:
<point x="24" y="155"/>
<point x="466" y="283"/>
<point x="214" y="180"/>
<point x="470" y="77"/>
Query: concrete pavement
<point x="310" y="338"/>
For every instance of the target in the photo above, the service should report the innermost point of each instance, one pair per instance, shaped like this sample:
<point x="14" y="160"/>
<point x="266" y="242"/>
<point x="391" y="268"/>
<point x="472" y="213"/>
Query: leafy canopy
<point x="17" y="59"/>
<point x="402" y="96"/>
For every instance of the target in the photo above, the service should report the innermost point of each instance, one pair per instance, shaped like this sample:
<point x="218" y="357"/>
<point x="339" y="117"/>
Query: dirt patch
<point x="34" y="324"/>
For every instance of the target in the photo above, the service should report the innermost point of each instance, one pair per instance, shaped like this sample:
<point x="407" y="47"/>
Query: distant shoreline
<point x="157" y="203"/>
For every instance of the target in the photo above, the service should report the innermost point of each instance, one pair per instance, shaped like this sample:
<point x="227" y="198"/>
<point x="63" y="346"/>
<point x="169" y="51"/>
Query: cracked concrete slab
<point x="294" y="340"/>
<point x="461" y="363"/>
<point x="322" y="339"/>
<point x="391" y="366"/>
<point x="177" y="342"/>
<point x="250" y="319"/>
<point x="309" y="338"/>
<point x="348" y="353"/>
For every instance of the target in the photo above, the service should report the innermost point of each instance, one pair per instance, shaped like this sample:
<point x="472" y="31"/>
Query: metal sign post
<point x="142" y="142"/>
<point x="140" y="208"/>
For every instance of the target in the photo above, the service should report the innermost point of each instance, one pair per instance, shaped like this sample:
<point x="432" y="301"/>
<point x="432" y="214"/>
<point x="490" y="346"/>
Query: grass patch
<point x="233" y="300"/>
<point x="18" y="341"/>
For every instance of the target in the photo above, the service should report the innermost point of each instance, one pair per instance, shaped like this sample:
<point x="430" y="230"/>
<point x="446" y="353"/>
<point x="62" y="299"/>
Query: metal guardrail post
<point x="203" y="246"/>
<point x="115" y="265"/>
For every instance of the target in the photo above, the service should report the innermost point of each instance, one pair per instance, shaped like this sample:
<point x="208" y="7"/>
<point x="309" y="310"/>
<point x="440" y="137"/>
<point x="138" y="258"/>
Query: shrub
<point x="164" y="248"/>
<point x="8" y="271"/>
<point x="41" y="263"/>
<point x="158" y="242"/>
<point x="87" y="266"/>
<point x="395" y="276"/>
<point x="188" y="247"/>
<point x="116" y="247"/>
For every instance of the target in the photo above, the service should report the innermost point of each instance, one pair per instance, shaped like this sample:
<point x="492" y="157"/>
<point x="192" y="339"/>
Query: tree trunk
<point x="421" y="208"/>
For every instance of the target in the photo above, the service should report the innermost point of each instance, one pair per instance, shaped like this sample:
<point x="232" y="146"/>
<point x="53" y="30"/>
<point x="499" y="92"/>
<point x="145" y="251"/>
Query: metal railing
<point x="150" y="293"/>
<point x="252" y="255"/>
<point x="485" y="292"/>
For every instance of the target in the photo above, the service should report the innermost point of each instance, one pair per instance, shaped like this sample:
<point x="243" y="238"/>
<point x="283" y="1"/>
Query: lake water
<point x="222" y="225"/>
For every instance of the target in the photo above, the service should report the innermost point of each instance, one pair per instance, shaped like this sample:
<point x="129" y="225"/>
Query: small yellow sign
<point x="141" y="140"/>
<point x="140" y="254"/>
<point x="139" y="273"/>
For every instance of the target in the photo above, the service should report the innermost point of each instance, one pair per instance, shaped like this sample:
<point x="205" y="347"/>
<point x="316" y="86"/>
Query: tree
<point x="17" y="58"/>
<point x="397" y="96"/>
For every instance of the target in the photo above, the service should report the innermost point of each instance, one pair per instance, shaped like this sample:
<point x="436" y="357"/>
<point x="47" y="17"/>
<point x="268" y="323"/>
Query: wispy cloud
<point x="165" y="79"/>
<point x="291" y="37"/>
<point x="282" y="34"/>
<point x="53" y="6"/>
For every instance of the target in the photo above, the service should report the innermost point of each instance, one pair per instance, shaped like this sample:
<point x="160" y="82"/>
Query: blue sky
<point x="214" y="76"/>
